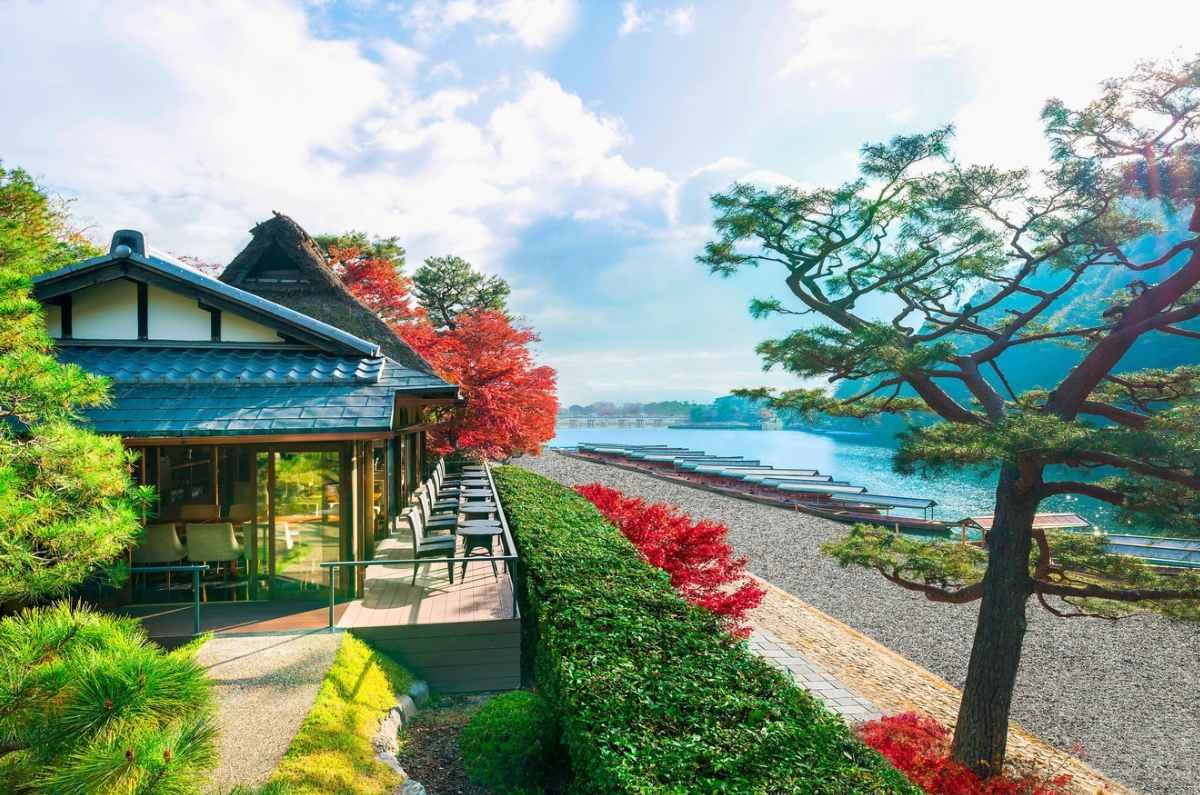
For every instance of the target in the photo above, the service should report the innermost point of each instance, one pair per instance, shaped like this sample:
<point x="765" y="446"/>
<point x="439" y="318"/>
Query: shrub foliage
<point x="88" y="705"/>
<point x="653" y="696"/>
<point x="695" y="555"/>
<point x="511" y="745"/>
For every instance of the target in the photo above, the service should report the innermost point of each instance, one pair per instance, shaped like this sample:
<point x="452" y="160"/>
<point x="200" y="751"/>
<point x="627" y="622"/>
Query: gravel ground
<point x="1127" y="692"/>
<point x="265" y="685"/>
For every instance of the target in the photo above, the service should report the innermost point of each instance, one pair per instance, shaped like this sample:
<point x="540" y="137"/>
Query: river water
<point x="861" y="459"/>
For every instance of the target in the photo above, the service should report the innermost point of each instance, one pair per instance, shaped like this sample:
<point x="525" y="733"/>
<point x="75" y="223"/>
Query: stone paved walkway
<point x="812" y="677"/>
<point x="264" y="686"/>
<point x="894" y="684"/>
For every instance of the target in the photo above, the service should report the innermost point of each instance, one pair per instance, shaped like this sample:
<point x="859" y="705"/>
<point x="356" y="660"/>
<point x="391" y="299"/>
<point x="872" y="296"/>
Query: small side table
<point x="478" y="535"/>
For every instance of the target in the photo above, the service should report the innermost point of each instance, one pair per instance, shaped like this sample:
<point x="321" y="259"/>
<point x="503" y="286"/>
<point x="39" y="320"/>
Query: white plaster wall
<point x="53" y="314"/>
<point x="171" y="316"/>
<point x="106" y="311"/>
<point x="235" y="328"/>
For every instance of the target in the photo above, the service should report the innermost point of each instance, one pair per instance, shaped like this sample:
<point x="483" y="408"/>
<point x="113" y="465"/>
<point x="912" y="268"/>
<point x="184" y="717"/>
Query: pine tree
<point x="925" y="276"/>
<point x="87" y="705"/>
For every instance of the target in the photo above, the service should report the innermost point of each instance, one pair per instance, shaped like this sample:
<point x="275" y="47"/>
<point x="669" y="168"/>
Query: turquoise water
<point x="863" y="460"/>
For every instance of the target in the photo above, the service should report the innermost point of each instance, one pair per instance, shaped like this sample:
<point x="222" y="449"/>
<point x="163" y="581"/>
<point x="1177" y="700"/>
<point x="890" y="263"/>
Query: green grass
<point x="332" y="751"/>
<point x="652" y="696"/>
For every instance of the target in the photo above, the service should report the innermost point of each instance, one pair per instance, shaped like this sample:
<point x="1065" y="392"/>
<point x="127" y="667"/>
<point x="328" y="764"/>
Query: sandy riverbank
<point x="1125" y="691"/>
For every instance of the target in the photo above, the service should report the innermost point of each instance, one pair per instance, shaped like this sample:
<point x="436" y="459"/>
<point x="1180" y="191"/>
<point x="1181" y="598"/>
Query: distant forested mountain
<point x="1042" y="364"/>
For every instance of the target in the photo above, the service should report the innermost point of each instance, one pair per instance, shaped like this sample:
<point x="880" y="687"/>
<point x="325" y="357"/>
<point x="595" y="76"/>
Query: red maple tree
<point x="511" y="401"/>
<point x="696" y="555"/>
<point x="919" y="747"/>
<point x="376" y="283"/>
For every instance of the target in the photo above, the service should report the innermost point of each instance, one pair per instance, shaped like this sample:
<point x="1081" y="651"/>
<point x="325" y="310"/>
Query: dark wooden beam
<point x="143" y="310"/>
<point x="65" y="305"/>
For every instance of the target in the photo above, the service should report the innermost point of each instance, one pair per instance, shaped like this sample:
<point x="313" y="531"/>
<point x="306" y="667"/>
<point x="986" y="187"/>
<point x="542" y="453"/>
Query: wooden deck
<point x="390" y="597"/>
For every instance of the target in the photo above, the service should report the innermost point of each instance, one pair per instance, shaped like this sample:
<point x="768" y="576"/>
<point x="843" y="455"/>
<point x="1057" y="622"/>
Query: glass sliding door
<point x="300" y="521"/>
<point x="308" y="521"/>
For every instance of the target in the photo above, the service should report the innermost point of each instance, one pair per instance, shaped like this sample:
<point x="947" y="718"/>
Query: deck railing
<point x="510" y="559"/>
<point x="195" y="569"/>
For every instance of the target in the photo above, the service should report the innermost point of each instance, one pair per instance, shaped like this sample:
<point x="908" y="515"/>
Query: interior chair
<point x="216" y="543"/>
<point x="160" y="546"/>
<point x="425" y="546"/>
<point x="241" y="512"/>
<point x="198" y="512"/>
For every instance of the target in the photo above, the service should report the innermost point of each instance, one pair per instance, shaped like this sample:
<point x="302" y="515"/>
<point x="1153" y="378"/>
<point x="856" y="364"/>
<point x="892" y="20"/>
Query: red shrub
<point x="919" y="747"/>
<point x="695" y="555"/>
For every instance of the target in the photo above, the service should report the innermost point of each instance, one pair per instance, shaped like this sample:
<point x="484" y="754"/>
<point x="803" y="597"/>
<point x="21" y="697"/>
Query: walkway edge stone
<point x="386" y="740"/>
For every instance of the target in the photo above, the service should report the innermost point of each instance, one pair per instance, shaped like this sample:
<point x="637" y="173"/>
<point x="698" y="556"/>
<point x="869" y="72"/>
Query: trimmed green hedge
<point x="652" y="696"/>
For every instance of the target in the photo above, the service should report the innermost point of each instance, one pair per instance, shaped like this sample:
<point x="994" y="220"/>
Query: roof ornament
<point x="126" y="242"/>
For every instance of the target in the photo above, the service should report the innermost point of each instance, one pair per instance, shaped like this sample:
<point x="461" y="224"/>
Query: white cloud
<point x="631" y="19"/>
<point x="536" y="24"/>
<point x="446" y="70"/>
<point x="679" y="20"/>
<point x="1010" y="57"/>
<point x="203" y="121"/>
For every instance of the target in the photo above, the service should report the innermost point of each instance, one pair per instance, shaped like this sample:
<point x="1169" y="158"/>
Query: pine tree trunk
<point x="981" y="734"/>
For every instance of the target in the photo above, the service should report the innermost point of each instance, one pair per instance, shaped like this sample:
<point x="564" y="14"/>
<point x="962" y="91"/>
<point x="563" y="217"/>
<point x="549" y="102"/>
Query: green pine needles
<point x="88" y="705"/>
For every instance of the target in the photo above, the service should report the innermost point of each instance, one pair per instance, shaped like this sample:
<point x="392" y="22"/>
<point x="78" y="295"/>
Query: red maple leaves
<point x="511" y="401"/>
<point x="919" y="747"/>
<point x="696" y="555"/>
<point x="376" y="283"/>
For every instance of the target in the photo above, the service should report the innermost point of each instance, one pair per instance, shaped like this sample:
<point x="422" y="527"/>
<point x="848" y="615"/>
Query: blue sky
<point x="569" y="146"/>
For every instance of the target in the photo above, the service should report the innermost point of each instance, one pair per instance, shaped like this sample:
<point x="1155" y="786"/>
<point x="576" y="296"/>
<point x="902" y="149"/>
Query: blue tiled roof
<point x="220" y="391"/>
<point x="151" y="365"/>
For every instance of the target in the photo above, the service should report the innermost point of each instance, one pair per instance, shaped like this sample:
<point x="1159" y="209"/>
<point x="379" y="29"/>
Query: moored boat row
<point x="810" y="491"/>
<point x="806" y="490"/>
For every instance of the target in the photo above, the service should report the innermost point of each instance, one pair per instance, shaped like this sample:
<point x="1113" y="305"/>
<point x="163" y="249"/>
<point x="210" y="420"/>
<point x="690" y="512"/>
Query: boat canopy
<point x="1182" y="552"/>
<point x="820" y="488"/>
<point x="768" y="479"/>
<point x="886" y="500"/>
<point x="1041" y="521"/>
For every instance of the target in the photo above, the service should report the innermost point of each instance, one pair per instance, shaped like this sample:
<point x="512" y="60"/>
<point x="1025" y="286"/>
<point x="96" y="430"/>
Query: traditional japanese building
<point x="269" y="401"/>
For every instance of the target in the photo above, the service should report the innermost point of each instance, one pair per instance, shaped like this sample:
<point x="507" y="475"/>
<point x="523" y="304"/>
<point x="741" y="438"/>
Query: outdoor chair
<point x="160" y="546"/>
<point x="443" y="489"/>
<point x="216" y="543"/>
<point x="437" y="501"/>
<point x="433" y="510"/>
<point x="442" y="521"/>
<point x="430" y="546"/>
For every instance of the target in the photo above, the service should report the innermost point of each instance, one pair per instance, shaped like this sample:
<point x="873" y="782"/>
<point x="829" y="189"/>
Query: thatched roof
<point x="283" y="264"/>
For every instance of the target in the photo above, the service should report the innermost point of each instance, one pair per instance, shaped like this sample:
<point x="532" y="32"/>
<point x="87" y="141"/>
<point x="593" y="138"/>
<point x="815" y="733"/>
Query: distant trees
<point x="87" y="705"/>
<point x="923" y="273"/>
<point x="447" y="287"/>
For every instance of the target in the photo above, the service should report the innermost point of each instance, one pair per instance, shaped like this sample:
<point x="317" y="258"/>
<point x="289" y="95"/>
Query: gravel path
<point x="1127" y="692"/>
<point x="265" y="686"/>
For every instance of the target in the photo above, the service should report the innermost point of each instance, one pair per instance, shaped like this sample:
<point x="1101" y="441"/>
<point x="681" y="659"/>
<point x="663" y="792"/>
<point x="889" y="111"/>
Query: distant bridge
<point x="618" y="422"/>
